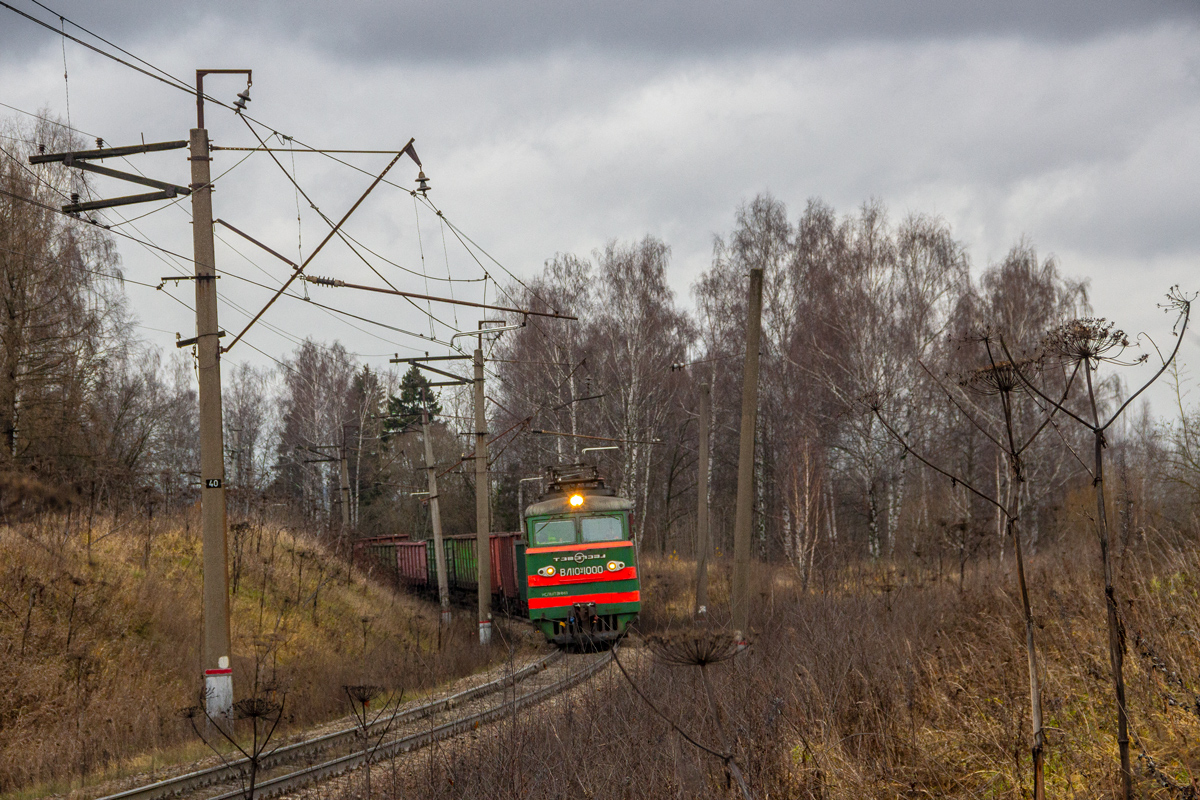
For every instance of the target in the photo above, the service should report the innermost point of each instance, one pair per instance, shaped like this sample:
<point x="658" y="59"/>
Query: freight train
<point x="572" y="570"/>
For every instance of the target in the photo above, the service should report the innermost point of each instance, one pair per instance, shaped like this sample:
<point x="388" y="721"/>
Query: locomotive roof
<point x="561" y="504"/>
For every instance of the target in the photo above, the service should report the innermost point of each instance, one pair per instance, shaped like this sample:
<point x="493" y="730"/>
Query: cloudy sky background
<point x="553" y="127"/>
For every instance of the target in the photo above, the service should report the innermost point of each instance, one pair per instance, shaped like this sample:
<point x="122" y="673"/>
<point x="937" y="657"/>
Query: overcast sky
<point x="555" y="126"/>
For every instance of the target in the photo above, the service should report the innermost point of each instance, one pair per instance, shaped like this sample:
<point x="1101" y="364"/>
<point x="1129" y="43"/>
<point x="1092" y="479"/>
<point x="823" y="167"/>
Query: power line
<point x="322" y="150"/>
<point x="179" y="199"/>
<point x="173" y="83"/>
<point x="45" y="119"/>
<point x="177" y="83"/>
<point x="148" y="244"/>
<point x="384" y="259"/>
<point x="253" y="263"/>
<point x="407" y="149"/>
<point x="107" y="42"/>
<point x="119" y="278"/>
<point x="294" y="296"/>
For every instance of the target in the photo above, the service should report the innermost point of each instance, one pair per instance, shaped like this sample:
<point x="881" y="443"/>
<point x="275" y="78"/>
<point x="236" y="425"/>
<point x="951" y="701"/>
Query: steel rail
<point x="181" y="784"/>
<point x="273" y="787"/>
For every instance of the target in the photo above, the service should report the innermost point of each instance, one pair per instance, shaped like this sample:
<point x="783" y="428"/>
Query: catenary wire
<point x="337" y="230"/>
<point x="179" y="84"/>
<point x="176" y="83"/>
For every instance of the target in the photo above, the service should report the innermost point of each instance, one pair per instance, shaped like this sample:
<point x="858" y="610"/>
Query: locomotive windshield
<point x="554" y="531"/>
<point x="602" y="529"/>
<point x="547" y="533"/>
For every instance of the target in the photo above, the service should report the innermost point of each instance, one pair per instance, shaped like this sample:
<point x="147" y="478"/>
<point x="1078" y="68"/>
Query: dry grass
<point x="884" y="683"/>
<point x="99" y="654"/>
<point x="896" y="691"/>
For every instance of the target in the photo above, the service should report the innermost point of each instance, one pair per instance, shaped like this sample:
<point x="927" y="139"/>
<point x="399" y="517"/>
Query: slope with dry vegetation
<point x="100" y="645"/>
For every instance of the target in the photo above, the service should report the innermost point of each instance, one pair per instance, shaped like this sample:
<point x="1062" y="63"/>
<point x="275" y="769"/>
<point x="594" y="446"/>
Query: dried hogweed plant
<point x="693" y="648"/>
<point x="361" y="696"/>
<point x="1001" y="378"/>
<point x="1087" y="343"/>
<point x="1089" y="339"/>
<point x="698" y="648"/>
<point x="264" y="712"/>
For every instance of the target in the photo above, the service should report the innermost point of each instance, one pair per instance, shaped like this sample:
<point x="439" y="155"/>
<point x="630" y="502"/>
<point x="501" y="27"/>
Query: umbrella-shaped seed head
<point x="255" y="708"/>
<point x="999" y="378"/>
<point x="363" y="694"/>
<point x="1091" y="339"/>
<point x="694" y="648"/>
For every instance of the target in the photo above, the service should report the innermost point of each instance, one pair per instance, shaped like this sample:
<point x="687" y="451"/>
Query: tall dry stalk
<point x="1001" y="380"/>
<point x="1087" y="343"/>
<point x="361" y="696"/>
<point x="699" y="648"/>
<point x="264" y="713"/>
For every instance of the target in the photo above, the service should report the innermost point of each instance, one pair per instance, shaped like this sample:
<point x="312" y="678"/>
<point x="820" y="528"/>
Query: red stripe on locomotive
<point x="569" y="600"/>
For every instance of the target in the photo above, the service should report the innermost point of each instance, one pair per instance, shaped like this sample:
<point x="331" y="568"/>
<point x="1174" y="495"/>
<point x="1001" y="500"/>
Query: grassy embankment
<point x="100" y="652"/>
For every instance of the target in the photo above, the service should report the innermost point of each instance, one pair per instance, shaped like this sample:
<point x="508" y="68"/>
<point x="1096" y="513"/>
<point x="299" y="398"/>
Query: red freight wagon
<point x="461" y="564"/>
<point x="410" y="564"/>
<point x="504" y="565"/>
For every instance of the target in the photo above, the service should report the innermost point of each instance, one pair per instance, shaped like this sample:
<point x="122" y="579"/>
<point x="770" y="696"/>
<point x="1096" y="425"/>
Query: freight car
<point x="572" y="570"/>
<point x="417" y="569"/>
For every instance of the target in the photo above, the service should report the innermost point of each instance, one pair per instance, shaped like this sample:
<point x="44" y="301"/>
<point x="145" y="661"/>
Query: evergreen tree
<point x="404" y="410"/>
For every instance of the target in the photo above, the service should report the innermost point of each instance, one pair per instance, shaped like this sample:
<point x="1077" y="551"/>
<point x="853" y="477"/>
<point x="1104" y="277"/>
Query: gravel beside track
<point x="570" y="671"/>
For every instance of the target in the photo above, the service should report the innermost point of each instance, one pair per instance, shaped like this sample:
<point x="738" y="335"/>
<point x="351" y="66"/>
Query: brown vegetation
<point x="97" y="656"/>
<point x="891" y="684"/>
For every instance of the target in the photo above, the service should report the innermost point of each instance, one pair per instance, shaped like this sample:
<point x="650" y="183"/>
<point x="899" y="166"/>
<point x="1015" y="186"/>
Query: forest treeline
<point x="856" y="306"/>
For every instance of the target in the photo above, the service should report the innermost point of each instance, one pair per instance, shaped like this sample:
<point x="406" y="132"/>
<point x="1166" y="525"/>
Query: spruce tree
<point x="404" y="409"/>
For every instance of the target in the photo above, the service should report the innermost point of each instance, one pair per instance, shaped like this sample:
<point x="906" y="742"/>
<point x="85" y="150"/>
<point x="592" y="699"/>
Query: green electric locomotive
<point x="577" y="565"/>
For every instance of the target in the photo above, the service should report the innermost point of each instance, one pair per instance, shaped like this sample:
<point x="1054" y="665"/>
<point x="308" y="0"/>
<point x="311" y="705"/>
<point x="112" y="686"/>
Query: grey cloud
<point x="471" y="31"/>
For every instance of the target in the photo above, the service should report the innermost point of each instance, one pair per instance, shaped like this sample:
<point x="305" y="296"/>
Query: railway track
<point x="333" y="754"/>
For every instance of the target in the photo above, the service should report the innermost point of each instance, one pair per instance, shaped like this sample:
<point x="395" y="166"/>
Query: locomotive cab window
<point x="602" y="529"/>
<point x="554" y="531"/>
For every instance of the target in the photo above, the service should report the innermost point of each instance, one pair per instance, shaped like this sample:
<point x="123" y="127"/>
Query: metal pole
<point x="482" y="528"/>
<point x="218" y="674"/>
<point x="702" y="507"/>
<point x="745" y="482"/>
<point x="439" y="554"/>
<point x="521" y="498"/>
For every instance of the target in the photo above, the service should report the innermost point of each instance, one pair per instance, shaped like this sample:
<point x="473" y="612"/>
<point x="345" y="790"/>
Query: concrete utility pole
<point x="482" y="523"/>
<point x="439" y="554"/>
<point x="218" y="674"/>
<point x="745" y="482"/>
<point x="345" y="480"/>
<point x="702" y="506"/>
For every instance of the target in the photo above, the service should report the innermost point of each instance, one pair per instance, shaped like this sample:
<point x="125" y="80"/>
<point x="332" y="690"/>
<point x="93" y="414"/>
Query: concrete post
<point x="218" y="674"/>
<point x="742" y="527"/>
<point x="702" y="544"/>
<point x="483" y="549"/>
<point x="345" y="487"/>
<point x="439" y="554"/>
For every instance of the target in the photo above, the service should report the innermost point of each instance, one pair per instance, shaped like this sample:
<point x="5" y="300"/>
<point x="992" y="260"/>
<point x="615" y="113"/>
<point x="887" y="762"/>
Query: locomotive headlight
<point x="547" y="572"/>
<point x="613" y="566"/>
<point x="576" y="500"/>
